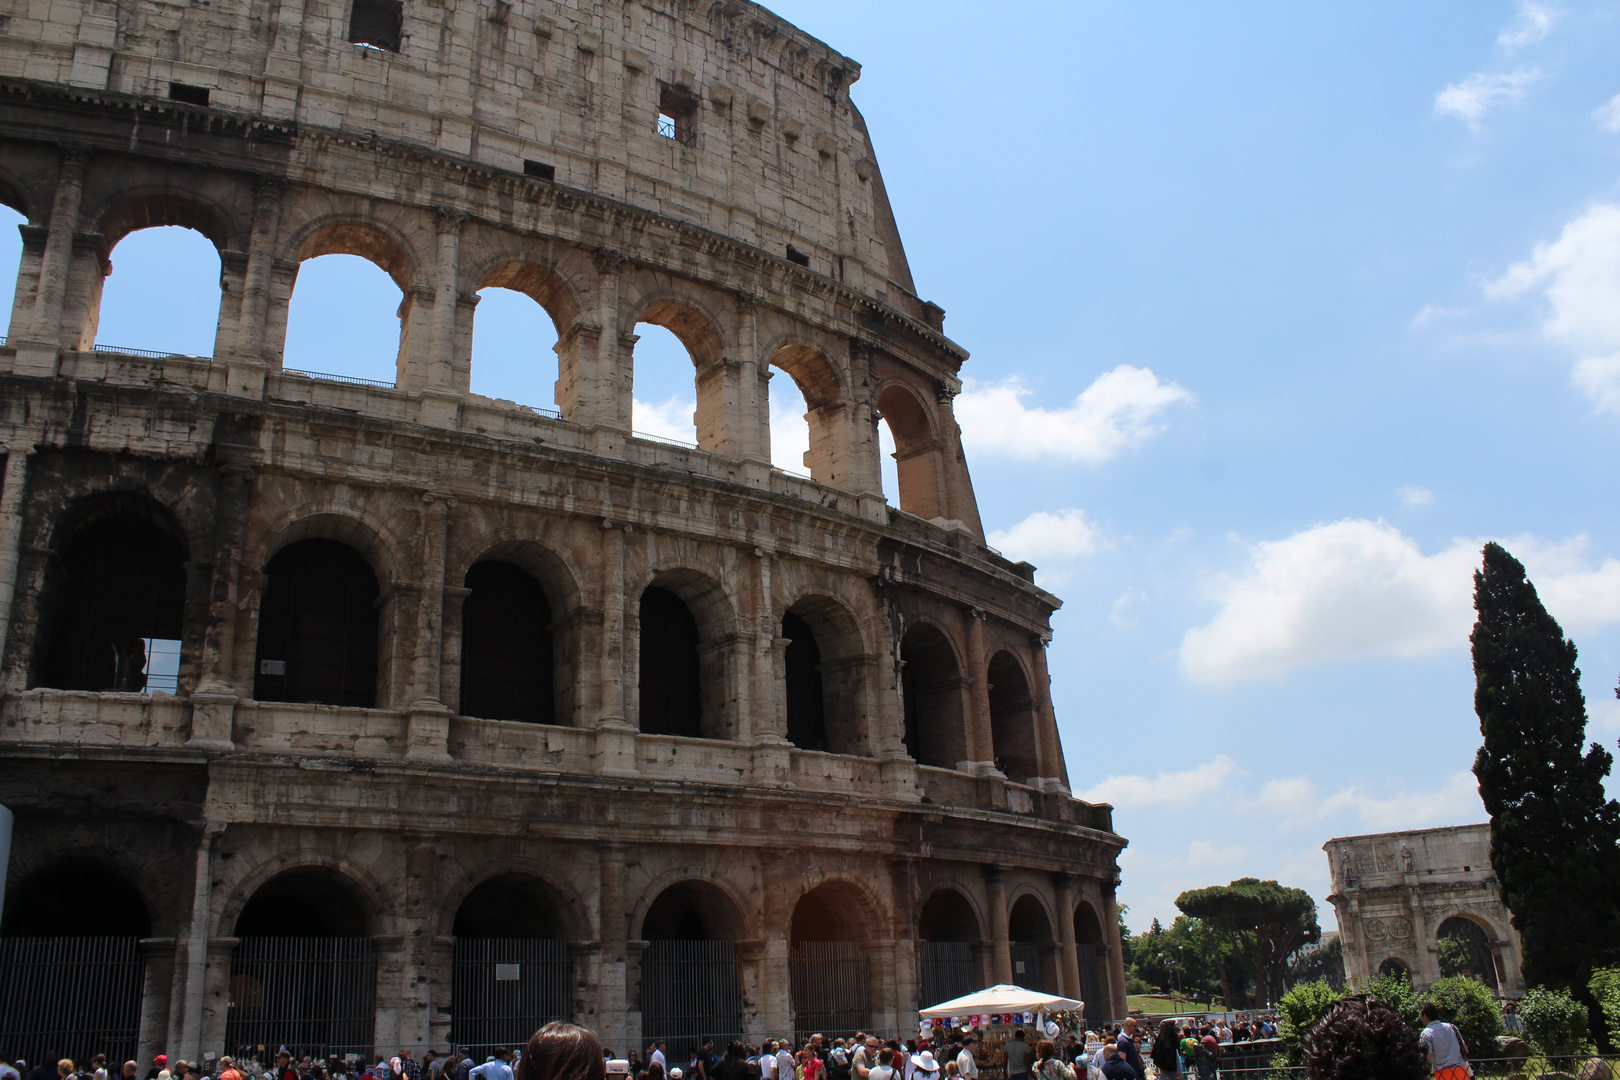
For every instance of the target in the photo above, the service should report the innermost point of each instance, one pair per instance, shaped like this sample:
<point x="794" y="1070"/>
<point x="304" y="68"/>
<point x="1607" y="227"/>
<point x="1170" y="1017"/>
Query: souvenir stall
<point x="992" y="1015"/>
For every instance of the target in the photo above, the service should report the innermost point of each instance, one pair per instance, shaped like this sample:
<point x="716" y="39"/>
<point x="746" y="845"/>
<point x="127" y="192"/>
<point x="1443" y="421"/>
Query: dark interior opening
<point x="806" y="702"/>
<point x="75" y="897"/>
<point x="947" y="916"/>
<point x="671" y="689"/>
<point x="506" y="647"/>
<point x="539" y="169"/>
<point x="318" y="627"/>
<point x="377" y="23"/>
<point x="119" y="607"/>
<point x="302" y="904"/>
<point x="794" y="255"/>
<point x="191" y="95"/>
<point x="827" y="913"/>
<point x="931" y="693"/>
<point x="508" y="907"/>
<point x="1012" y="719"/>
<point x="690" y="911"/>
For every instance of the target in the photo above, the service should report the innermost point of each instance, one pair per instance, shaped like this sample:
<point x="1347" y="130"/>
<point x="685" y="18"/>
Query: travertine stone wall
<point x="1391" y="892"/>
<point x="762" y="238"/>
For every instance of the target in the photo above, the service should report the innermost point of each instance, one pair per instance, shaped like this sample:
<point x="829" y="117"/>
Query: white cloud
<point x="1474" y="97"/>
<point x="671" y="419"/>
<point x="1416" y="496"/>
<point x="790" y="432"/>
<point x="1579" y="276"/>
<point x="1608" y="114"/>
<point x="1434" y="313"/>
<point x="1176" y="790"/>
<point x="1049" y="537"/>
<point x="1120" y="410"/>
<point x="1202" y="853"/>
<point x="1533" y="22"/>
<point x="1454" y="803"/>
<point x="1358" y="588"/>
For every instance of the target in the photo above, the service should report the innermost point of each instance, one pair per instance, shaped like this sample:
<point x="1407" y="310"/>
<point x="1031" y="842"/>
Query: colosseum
<point x="355" y="717"/>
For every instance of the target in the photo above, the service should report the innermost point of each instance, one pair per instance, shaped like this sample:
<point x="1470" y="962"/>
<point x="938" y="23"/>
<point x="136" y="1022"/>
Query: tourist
<point x="1166" y="1051"/>
<point x="922" y="1066"/>
<point x="1017" y="1051"/>
<point x="160" y="1064"/>
<point x="655" y="1056"/>
<point x="405" y="1068"/>
<point x="1444" y="1045"/>
<point x="1115" y="1067"/>
<point x="562" y="1051"/>
<point x="965" y="1065"/>
<point x="883" y="1070"/>
<point x="497" y="1067"/>
<point x="1127" y="1046"/>
<point x="784" y="1060"/>
<point x="1048" y="1064"/>
<point x="1207" y="1063"/>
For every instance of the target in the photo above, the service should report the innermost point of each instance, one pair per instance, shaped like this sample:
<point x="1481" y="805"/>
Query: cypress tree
<point x="1555" y="838"/>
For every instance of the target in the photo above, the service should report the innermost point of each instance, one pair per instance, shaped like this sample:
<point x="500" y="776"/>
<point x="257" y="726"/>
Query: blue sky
<point x="1277" y="311"/>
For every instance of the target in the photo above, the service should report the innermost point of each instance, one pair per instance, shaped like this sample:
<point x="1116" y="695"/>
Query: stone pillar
<point x="428" y="734"/>
<point x="615" y="735"/>
<point x="157" y="987"/>
<point x="980" y="740"/>
<point x="445" y="296"/>
<point x="248" y="358"/>
<point x="38" y="354"/>
<point x="1000" y="938"/>
<point x="1068" y="950"/>
<point x="1053" y="769"/>
<point x="907" y="967"/>
<point x="594" y="384"/>
<point x="13" y="487"/>
<point x="612" y="1001"/>
<point x="1114" y="956"/>
<point x="191" y="968"/>
<point x="767" y="720"/>
<point x="213" y="703"/>
<point x="422" y="918"/>
<point x="779" y="880"/>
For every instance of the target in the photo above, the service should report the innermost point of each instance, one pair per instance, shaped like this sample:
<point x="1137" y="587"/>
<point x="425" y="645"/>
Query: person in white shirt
<point x="965" y="1065"/>
<point x="882" y="1070"/>
<point x="496" y="1068"/>
<point x="767" y="1061"/>
<point x="656" y="1056"/>
<point x="785" y="1067"/>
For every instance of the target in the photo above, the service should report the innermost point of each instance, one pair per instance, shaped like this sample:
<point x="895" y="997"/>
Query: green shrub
<point x="1396" y="992"/>
<point x="1605" y="986"/>
<point x="1554" y="1021"/>
<point x="1471" y="1005"/>
<point x="1300" y="1009"/>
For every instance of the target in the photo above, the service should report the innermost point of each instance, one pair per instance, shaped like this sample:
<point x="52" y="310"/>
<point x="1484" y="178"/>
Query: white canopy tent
<point x="1003" y="998"/>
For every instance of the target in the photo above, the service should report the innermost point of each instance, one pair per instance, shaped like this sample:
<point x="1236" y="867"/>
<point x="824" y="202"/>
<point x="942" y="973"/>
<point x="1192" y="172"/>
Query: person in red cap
<point x="159" y="1064"/>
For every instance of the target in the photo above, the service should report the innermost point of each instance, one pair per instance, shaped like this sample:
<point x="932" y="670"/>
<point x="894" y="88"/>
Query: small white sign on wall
<point x="506" y="972"/>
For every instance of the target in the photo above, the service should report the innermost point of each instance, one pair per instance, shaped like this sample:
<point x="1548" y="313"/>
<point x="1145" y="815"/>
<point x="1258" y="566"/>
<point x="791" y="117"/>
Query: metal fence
<point x="831" y="986"/>
<point x="689" y="992"/>
<point x="947" y="970"/>
<point x="502" y="989"/>
<point x="70" y="997"/>
<point x="351" y="380"/>
<point x="316" y="996"/>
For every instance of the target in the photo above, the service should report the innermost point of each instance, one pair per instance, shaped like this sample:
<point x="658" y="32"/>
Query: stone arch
<point x="332" y="520"/>
<point x="1030" y="929"/>
<point x="690" y="981"/>
<point x="830" y="960"/>
<point x="918" y="454"/>
<point x="132" y="209"/>
<point x="19" y="195"/>
<point x="826" y="676"/>
<point x="950" y="932"/>
<point x="1476" y="936"/>
<point x="360" y="886"/>
<point x="545" y="285"/>
<point x="950" y="914"/>
<point x="116" y="596"/>
<point x="1012" y="717"/>
<point x="1091" y="949"/>
<point x="73" y="895"/>
<point x="826" y="411"/>
<point x="931" y="695"/>
<point x="729" y="914"/>
<point x="1396" y="965"/>
<point x="697" y="327"/>
<point x="712" y="610"/>
<point x="521" y="372"/>
<point x="566" y="905"/>
<point x="345" y="234"/>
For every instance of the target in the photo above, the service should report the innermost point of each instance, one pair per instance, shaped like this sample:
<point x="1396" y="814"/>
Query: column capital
<point x="268" y="188"/>
<point x="74" y="157"/>
<point x="440" y="498"/>
<point x="449" y="220"/>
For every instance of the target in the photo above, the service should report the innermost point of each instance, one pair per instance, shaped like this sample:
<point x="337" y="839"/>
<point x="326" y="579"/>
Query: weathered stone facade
<point x="1394" y="893"/>
<point x="516" y="144"/>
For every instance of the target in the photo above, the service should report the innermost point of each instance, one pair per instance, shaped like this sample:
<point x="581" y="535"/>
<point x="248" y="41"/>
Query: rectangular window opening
<point x="377" y="24"/>
<point x="539" y="169"/>
<point x="677" y="110"/>
<point x="162" y="665"/>
<point x="191" y="95"/>
<point x="796" y="256"/>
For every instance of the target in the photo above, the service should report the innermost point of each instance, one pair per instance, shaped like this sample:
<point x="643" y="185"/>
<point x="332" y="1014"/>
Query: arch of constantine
<point x="354" y="714"/>
<point x="1398" y="895"/>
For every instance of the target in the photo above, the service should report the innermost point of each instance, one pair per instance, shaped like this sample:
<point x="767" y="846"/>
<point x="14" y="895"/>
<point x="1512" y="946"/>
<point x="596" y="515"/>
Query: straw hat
<point x="925" y="1061"/>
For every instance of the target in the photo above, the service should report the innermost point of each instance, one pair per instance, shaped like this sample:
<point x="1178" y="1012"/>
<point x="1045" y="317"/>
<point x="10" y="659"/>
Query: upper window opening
<point x="318" y="627"/>
<point x="514" y="346"/>
<point x="665" y="398"/>
<point x="163" y="293"/>
<point x="191" y="95"/>
<point x="539" y="169"/>
<point x="345" y="318"/>
<point x="676" y="111"/>
<point x="10" y="256"/>
<point x="376" y="24"/>
<point x="790" y="426"/>
<point x="797" y="257"/>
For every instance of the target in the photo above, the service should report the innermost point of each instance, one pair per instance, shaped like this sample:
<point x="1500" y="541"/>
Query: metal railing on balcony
<point x="153" y="354"/>
<point x="349" y="380"/>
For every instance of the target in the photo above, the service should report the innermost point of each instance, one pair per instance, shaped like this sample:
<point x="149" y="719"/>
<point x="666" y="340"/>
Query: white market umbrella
<point x="1004" y="998"/>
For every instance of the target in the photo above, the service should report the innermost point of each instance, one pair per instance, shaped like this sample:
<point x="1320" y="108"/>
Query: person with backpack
<point x="1448" y="1052"/>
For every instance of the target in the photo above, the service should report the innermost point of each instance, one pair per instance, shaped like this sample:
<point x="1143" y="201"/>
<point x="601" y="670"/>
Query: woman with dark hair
<point x="1166" y="1052"/>
<point x="1361" y="1038"/>
<point x="562" y="1051"/>
<point x="1048" y="1064"/>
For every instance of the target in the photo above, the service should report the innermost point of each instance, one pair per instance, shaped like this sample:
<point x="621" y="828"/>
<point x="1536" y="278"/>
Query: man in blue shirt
<point x="1128" y="1050"/>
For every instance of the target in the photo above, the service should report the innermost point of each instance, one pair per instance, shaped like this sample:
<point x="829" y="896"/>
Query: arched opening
<point x="11" y="253"/>
<point x="1392" y="966"/>
<point x="690" y="988"/>
<point x="1012" y="719"/>
<point x="916" y="452"/>
<point x="790" y="425"/>
<point x="303" y="973"/>
<point x="806" y="713"/>
<point x="163" y="293"/>
<point x="808" y="423"/>
<point x="521" y="311"/>
<point x="71" y="969"/>
<point x="117" y="619"/>
<point x="825" y="669"/>
<point x="318" y="627"/>
<point x="349" y="317"/>
<point x="510" y="970"/>
<point x="931" y="685"/>
<point x="664" y="402"/>
<point x="671" y="691"/>
<point x="1092" y="947"/>
<point x="506" y="647"/>
<point x="828" y="969"/>
<point x="1034" y="959"/>
<point x="1465" y="949"/>
<point x="950" y="933"/>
